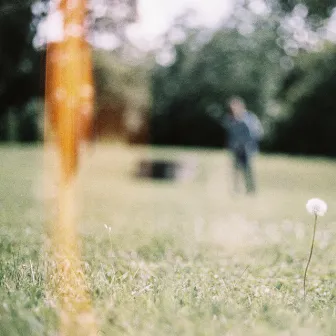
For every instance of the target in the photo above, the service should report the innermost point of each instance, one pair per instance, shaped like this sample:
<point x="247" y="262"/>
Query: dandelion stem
<point x="310" y="255"/>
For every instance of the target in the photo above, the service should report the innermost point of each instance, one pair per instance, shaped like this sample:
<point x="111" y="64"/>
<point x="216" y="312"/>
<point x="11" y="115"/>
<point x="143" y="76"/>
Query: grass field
<point x="175" y="258"/>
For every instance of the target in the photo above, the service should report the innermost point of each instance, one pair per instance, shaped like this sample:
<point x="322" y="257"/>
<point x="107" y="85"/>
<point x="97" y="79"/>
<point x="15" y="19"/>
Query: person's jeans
<point x="242" y="167"/>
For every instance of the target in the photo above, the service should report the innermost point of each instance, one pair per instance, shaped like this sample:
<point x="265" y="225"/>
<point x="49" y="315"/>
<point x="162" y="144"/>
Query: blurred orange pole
<point x="69" y="110"/>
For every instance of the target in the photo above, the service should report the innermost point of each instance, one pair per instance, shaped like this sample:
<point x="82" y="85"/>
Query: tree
<point x="20" y="64"/>
<point x="264" y="54"/>
<point x="22" y="55"/>
<point x="315" y="7"/>
<point x="122" y="96"/>
<point x="307" y="94"/>
<point x="189" y="96"/>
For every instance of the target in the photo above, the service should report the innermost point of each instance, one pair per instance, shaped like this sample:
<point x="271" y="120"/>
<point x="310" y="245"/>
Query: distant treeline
<point x="286" y="74"/>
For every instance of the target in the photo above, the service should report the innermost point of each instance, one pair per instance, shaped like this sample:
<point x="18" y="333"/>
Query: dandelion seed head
<point x="316" y="206"/>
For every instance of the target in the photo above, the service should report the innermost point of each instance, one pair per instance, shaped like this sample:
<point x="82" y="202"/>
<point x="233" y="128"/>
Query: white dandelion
<point x="316" y="207"/>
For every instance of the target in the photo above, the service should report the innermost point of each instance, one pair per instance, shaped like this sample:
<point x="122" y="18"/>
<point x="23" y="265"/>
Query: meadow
<point x="174" y="258"/>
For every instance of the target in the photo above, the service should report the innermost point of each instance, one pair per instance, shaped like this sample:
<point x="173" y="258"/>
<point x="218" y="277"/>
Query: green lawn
<point x="181" y="258"/>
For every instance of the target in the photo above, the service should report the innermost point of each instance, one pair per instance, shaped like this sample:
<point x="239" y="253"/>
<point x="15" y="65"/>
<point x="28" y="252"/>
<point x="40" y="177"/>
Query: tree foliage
<point x="22" y="55"/>
<point x="278" y="62"/>
<point x="21" y="68"/>
<point x="274" y="59"/>
<point x="19" y="62"/>
<point x="119" y="82"/>
<point x="320" y="8"/>
<point x="309" y="124"/>
<point x="195" y="88"/>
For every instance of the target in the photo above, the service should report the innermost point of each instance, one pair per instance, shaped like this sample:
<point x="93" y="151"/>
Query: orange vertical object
<point x="69" y="96"/>
<point x="71" y="67"/>
<point x="69" y="86"/>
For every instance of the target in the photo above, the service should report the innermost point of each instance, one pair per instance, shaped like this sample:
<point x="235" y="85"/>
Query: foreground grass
<point x="182" y="258"/>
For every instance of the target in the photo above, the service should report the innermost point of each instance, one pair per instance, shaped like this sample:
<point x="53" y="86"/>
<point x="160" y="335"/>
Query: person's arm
<point x="256" y="128"/>
<point x="259" y="128"/>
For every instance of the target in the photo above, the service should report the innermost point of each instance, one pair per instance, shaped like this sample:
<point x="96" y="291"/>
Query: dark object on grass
<point x="166" y="170"/>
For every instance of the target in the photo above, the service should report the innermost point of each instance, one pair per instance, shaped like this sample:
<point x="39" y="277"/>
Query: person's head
<point x="237" y="106"/>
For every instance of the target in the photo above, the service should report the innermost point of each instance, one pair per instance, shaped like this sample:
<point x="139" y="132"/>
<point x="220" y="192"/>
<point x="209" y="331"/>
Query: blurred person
<point x="244" y="132"/>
